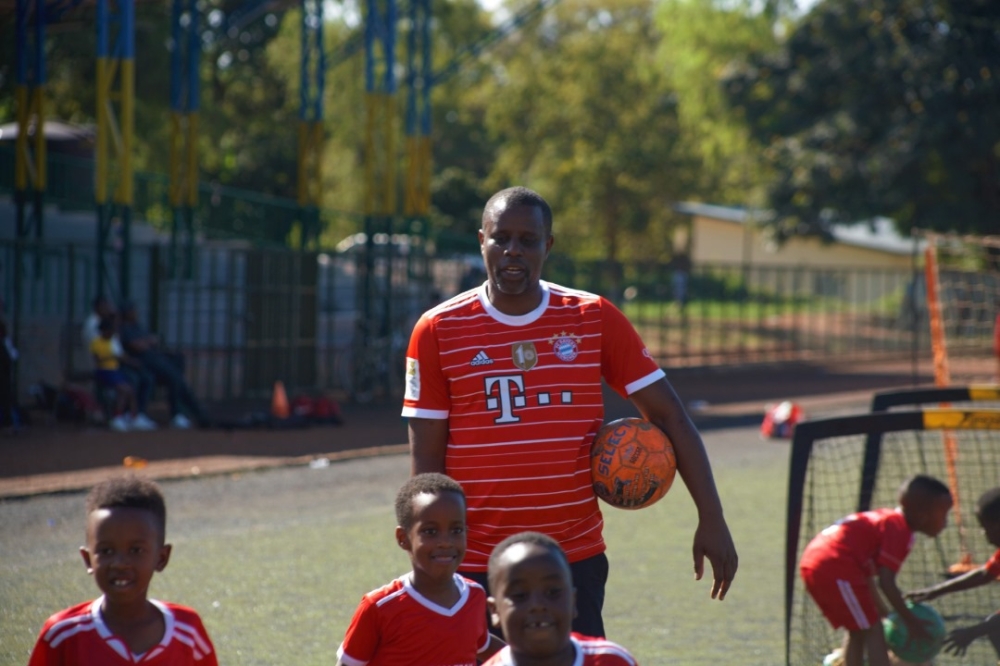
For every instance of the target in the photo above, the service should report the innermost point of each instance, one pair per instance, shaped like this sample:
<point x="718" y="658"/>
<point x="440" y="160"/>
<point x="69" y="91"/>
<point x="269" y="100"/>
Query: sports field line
<point x="40" y="484"/>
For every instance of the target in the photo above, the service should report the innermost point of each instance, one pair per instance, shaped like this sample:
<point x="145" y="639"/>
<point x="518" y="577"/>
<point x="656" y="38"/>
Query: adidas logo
<point x="481" y="359"/>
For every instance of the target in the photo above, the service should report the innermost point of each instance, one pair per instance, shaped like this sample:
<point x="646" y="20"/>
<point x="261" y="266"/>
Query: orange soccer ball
<point x="632" y="463"/>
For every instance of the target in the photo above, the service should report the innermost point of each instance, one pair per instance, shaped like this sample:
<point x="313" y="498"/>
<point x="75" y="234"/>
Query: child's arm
<point x="883" y="610"/>
<point x="887" y="583"/>
<point x="959" y="639"/>
<point x="494" y="646"/>
<point x="966" y="581"/>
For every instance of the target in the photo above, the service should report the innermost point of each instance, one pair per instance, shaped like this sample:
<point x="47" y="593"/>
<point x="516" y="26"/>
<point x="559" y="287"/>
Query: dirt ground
<point x="48" y="457"/>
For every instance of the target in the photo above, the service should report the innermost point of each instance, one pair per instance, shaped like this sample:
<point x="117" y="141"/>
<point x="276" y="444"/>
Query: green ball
<point x="898" y="639"/>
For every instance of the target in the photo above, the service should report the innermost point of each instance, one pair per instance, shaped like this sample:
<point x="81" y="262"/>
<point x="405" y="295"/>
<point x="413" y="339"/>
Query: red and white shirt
<point x="992" y="565"/>
<point x="78" y="635"/>
<point x="522" y="395"/>
<point x="864" y="541"/>
<point x="397" y="626"/>
<point x="589" y="652"/>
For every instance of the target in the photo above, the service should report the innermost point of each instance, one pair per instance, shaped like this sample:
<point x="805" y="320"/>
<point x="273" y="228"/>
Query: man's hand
<point x="712" y="540"/>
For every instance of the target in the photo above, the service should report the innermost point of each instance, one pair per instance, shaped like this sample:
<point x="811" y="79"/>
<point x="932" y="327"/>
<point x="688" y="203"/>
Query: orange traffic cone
<point x="279" y="401"/>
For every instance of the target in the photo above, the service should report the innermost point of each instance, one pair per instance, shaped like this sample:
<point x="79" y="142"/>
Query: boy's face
<point x="436" y="539"/>
<point x="534" y="603"/>
<point x="931" y="515"/>
<point x="124" y="548"/>
<point x="991" y="529"/>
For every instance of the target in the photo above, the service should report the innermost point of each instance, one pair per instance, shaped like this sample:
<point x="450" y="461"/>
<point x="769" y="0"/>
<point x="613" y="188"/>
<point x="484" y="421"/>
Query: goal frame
<point x="874" y="426"/>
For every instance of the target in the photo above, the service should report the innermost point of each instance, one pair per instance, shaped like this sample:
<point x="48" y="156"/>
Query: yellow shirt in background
<point x="104" y="353"/>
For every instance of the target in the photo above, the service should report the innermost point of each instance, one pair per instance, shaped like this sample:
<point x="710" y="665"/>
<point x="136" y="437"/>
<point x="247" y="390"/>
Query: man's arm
<point x="660" y="405"/>
<point x="428" y="443"/>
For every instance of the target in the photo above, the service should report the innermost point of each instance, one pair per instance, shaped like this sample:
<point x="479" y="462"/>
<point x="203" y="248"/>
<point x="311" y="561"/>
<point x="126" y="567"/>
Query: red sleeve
<point x="205" y="643"/>
<point x="993" y="565"/>
<point x="42" y="655"/>
<point x="426" y="389"/>
<point x="897" y="539"/>
<point x="484" y="632"/>
<point x="626" y="364"/>
<point x="362" y="638"/>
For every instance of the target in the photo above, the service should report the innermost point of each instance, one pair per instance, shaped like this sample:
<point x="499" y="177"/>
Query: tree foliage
<point x="881" y="107"/>
<point x="699" y="41"/>
<point x="581" y="112"/>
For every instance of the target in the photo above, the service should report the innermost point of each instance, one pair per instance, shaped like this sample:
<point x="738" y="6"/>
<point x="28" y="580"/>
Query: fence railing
<point x="340" y="322"/>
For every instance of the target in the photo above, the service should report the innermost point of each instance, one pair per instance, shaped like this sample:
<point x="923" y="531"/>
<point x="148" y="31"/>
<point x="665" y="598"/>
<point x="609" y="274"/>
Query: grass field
<point x="276" y="561"/>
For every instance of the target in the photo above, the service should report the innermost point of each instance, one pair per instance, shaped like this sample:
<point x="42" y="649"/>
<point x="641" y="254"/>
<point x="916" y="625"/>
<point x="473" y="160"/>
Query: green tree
<point x="699" y="41"/>
<point x="582" y="113"/>
<point x="881" y="107"/>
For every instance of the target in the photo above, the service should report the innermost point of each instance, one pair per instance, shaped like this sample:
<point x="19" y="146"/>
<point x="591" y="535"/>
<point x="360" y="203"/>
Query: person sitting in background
<point x="141" y="381"/>
<point x="108" y="374"/>
<point x="167" y="368"/>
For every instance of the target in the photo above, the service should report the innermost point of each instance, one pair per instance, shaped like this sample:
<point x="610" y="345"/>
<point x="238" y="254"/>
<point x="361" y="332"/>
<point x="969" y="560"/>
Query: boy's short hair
<point x="988" y="506"/>
<point x="533" y="538"/>
<point x="131" y="492"/>
<point x="924" y="486"/>
<point x="431" y="483"/>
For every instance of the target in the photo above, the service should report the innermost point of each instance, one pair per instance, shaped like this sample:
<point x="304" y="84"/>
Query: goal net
<point x="854" y="463"/>
<point x="962" y="288"/>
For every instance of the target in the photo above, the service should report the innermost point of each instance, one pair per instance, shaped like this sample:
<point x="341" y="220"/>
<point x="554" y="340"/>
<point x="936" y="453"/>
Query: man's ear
<point x="165" y="551"/>
<point x="402" y="539"/>
<point x="85" y="554"/>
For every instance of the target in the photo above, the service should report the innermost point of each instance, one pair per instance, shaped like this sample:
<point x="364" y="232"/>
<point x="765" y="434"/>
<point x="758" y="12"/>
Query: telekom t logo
<point x="505" y="393"/>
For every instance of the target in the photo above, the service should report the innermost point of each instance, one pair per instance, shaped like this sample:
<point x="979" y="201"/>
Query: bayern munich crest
<point x="565" y="346"/>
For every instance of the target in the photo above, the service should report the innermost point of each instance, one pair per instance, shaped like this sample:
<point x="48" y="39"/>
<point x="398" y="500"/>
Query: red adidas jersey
<point x="589" y="652"/>
<point x="993" y="565"/>
<point x="397" y="626"/>
<point x="78" y="635"/>
<point x="871" y="539"/>
<point x="523" y="399"/>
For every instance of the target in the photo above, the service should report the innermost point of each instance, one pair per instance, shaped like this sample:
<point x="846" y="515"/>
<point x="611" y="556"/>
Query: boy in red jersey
<point x="430" y="616"/>
<point x="504" y="394"/>
<point x="988" y="515"/>
<point x="838" y="564"/>
<point x="534" y="602"/>
<point x="126" y="528"/>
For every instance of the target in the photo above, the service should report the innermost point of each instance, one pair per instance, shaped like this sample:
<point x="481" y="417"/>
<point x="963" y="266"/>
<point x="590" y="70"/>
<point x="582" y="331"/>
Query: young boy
<point x="126" y="528"/>
<point x="107" y="361"/>
<point x="534" y="602"/>
<point x="430" y="616"/>
<point x="988" y="515"/>
<point x="838" y="564"/>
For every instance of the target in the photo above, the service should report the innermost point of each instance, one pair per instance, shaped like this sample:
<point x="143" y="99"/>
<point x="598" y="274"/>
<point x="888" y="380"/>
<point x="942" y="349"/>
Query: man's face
<point x="104" y="308"/>
<point x="515" y="244"/>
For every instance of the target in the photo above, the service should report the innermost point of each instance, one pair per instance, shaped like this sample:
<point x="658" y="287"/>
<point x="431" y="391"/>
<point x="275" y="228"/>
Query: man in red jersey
<point x="503" y="394"/>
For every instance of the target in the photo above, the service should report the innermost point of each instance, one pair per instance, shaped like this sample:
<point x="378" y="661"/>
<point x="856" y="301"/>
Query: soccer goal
<point x="854" y="463"/>
<point x="962" y="289"/>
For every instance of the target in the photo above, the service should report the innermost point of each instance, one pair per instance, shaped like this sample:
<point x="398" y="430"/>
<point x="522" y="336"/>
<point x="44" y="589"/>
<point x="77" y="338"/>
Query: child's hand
<point x="959" y="639"/>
